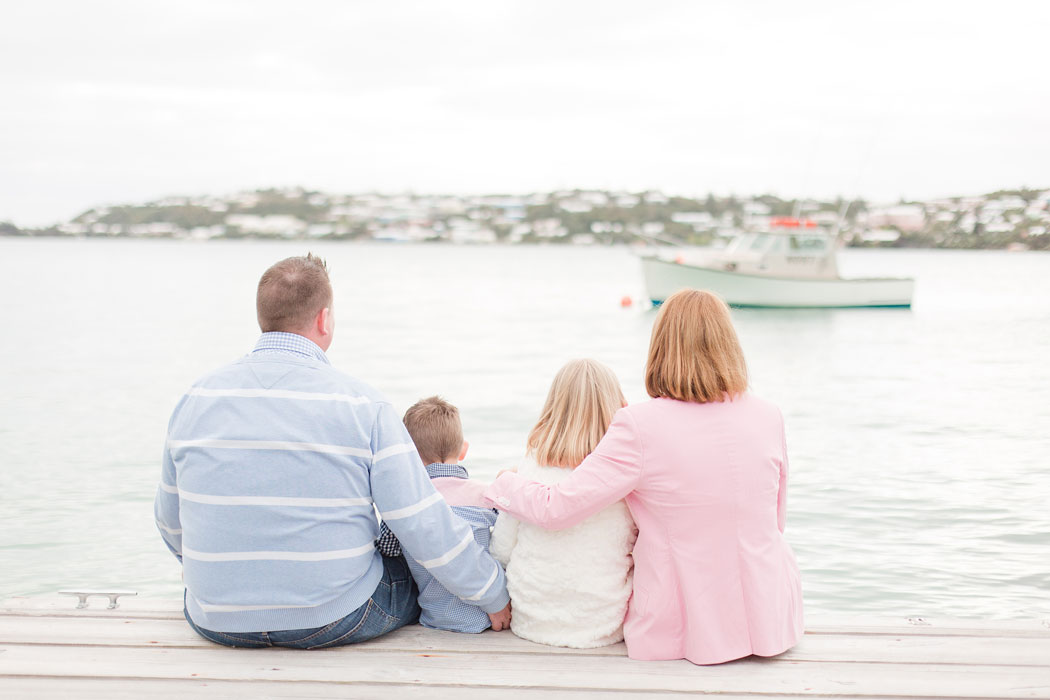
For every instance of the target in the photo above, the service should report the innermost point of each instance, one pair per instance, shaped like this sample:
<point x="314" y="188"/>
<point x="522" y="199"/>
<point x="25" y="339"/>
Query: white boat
<point x="790" y="265"/>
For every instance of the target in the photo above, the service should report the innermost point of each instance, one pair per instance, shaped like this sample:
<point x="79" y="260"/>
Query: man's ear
<point x="324" y="322"/>
<point x="463" y="451"/>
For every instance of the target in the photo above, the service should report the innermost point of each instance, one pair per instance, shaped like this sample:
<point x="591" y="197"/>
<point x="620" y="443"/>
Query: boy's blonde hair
<point x="694" y="353"/>
<point x="435" y="428"/>
<point x="580" y="405"/>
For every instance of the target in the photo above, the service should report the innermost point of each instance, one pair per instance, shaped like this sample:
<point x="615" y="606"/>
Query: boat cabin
<point x="800" y="250"/>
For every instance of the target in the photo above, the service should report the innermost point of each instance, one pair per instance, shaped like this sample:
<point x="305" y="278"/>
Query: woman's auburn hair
<point x="581" y="403"/>
<point x="694" y="352"/>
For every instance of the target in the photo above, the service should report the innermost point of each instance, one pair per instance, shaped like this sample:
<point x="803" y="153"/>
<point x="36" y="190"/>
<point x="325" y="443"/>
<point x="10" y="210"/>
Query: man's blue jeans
<point x="392" y="605"/>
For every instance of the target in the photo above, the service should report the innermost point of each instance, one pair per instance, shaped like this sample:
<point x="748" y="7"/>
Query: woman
<point x="703" y="469"/>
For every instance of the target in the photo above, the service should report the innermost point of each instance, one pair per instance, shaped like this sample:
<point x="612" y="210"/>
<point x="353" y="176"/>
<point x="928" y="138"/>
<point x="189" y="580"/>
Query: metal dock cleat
<point x="83" y="595"/>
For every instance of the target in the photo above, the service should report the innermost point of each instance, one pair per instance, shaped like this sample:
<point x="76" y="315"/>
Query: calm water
<point x="919" y="440"/>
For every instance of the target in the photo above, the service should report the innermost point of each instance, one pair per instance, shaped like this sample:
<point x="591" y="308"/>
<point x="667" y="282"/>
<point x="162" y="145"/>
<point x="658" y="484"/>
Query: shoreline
<point x="449" y="244"/>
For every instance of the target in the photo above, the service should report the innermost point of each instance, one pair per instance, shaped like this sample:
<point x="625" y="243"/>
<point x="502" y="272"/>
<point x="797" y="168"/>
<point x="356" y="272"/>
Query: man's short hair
<point x="435" y="428"/>
<point x="292" y="292"/>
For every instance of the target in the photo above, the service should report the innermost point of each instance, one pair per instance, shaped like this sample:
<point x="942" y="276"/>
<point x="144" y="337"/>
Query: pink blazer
<point x="714" y="578"/>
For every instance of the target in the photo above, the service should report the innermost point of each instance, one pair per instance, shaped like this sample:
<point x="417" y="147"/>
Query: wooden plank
<point x="95" y="632"/>
<point x="176" y="633"/>
<point x="919" y="624"/>
<point x="911" y="649"/>
<point x="63" y="603"/>
<point x="938" y="628"/>
<point x="949" y="649"/>
<point x="126" y="689"/>
<point x="170" y="608"/>
<point x="159" y="608"/>
<point x="512" y="671"/>
<point x="48" y="647"/>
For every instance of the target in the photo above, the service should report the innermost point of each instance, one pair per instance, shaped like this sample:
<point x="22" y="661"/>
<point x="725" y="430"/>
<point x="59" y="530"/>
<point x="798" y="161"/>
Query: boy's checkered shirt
<point x="442" y="609"/>
<point x="387" y="543"/>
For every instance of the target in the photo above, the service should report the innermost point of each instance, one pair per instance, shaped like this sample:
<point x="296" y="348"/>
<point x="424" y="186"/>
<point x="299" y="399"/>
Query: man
<point x="270" y="472"/>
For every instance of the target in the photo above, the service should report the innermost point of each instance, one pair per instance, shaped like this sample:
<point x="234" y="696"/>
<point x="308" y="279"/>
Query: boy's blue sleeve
<point x="481" y="521"/>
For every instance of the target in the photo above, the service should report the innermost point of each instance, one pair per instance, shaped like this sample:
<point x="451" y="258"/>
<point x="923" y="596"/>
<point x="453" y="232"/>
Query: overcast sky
<point x="108" y="101"/>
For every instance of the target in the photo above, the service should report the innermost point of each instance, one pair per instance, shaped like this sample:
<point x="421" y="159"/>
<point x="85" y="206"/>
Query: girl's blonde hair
<point x="580" y="405"/>
<point x="694" y="354"/>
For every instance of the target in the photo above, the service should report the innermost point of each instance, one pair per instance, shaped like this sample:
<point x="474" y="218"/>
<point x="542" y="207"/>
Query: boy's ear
<point x="463" y="451"/>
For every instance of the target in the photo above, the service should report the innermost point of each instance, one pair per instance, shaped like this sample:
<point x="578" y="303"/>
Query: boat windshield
<point x="741" y="242"/>
<point x="759" y="242"/>
<point x="778" y="243"/>
<point x="808" y="244"/>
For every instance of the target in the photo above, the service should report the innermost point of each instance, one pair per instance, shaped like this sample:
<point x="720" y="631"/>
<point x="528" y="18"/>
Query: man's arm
<point x="166" y="506"/>
<point x="428" y="529"/>
<point x="166" y="502"/>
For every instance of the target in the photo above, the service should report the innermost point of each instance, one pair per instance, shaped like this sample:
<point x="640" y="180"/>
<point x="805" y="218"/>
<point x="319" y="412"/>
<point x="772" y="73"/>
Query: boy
<point x="437" y="433"/>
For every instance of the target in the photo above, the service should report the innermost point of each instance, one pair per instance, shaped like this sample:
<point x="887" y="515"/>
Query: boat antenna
<point x="846" y="203"/>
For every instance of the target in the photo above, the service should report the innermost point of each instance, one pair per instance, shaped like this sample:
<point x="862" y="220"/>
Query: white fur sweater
<point x="567" y="587"/>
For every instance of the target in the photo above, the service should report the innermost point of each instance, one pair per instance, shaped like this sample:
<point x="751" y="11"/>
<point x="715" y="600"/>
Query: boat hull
<point x="663" y="278"/>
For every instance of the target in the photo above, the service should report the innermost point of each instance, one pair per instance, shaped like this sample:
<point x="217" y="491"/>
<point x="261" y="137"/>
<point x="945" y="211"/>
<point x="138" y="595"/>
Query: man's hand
<point x="500" y="620"/>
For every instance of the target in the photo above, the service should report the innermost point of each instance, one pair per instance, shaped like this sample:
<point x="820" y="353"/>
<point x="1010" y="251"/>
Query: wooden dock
<point x="144" y="649"/>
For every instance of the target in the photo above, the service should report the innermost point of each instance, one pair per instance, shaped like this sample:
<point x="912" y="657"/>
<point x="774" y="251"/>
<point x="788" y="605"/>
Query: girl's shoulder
<point x="530" y="469"/>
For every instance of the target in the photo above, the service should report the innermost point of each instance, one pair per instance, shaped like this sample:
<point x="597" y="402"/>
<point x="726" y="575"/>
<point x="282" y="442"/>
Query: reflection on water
<point x="918" y="438"/>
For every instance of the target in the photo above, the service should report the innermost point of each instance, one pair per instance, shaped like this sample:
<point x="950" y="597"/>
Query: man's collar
<point x="292" y="343"/>
<point x="438" y="469"/>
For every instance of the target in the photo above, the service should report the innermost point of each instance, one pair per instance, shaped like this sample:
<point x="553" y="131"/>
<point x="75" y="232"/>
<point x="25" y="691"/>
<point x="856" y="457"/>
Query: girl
<point x="570" y="587"/>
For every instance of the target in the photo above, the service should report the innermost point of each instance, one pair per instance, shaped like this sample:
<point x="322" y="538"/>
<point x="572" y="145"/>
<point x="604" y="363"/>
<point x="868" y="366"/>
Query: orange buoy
<point x="626" y="302"/>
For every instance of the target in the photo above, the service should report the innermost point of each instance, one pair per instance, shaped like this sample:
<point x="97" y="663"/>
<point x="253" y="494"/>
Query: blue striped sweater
<point x="272" y="472"/>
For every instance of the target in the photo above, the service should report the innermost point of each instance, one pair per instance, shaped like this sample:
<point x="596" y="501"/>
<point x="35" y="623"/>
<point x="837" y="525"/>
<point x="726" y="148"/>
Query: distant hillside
<point x="1007" y="218"/>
